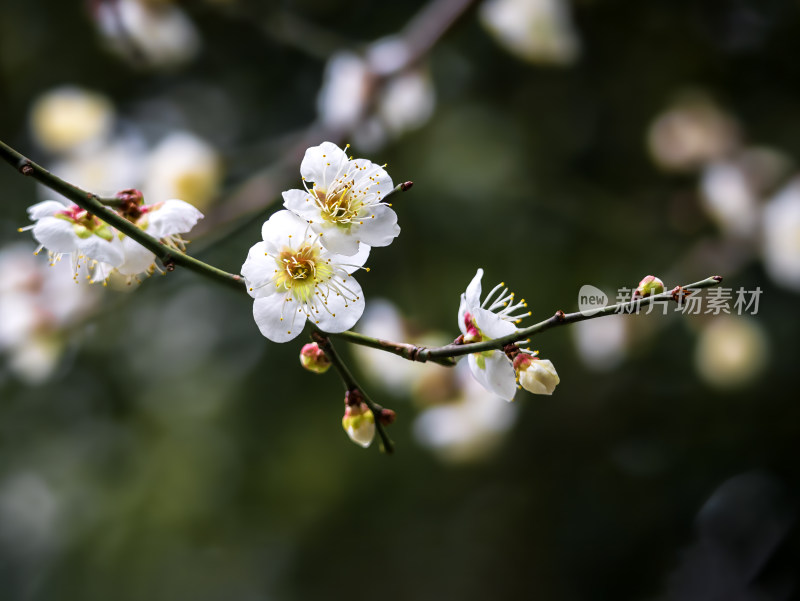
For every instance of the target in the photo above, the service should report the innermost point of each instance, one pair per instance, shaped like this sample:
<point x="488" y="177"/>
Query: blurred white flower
<point x="731" y="352"/>
<point x="691" y="133"/>
<point x="601" y="343"/>
<point x="729" y="198"/>
<point x="342" y="99"/>
<point x="469" y="427"/>
<point x="781" y="237"/>
<point x="407" y="101"/>
<point x="183" y="166"/>
<point x="493" y="318"/>
<point x="344" y="204"/>
<point x="160" y="31"/>
<point x="68" y="230"/>
<point x="382" y="320"/>
<point x="37" y="302"/>
<point x="70" y="118"/>
<point x="292" y="277"/>
<point x="539" y="31"/>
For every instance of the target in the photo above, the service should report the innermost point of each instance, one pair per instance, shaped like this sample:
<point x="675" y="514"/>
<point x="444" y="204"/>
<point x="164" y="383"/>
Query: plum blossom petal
<point x="495" y="373"/>
<point x="277" y="317"/>
<point x="172" y="217"/>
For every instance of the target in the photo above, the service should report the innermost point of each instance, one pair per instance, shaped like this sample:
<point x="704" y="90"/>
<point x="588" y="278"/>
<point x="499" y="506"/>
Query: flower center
<point x="473" y="332"/>
<point x="84" y="224"/>
<point x="300" y="270"/>
<point x="338" y="205"/>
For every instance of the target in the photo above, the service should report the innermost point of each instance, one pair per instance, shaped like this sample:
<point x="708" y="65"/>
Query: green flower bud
<point x="649" y="285"/>
<point x="359" y="423"/>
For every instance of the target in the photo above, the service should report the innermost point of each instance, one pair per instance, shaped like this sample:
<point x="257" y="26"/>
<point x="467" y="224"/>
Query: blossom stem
<point x="95" y="205"/>
<point x="401" y="349"/>
<point x="560" y="318"/>
<point x="350" y="383"/>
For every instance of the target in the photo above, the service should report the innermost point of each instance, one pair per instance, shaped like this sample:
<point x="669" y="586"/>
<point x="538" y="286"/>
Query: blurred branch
<point x="93" y="204"/>
<point x="350" y="385"/>
<point x="261" y="189"/>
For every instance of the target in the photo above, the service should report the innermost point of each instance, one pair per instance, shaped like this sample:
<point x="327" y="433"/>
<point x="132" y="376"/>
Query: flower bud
<point x="536" y="375"/>
<point x="359" y="423"/>
<point x="314" y="358"/>
<point x="649" y="285"/>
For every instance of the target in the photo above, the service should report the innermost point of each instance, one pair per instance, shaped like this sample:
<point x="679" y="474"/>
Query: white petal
<point x="57" y="235"/>
<point x="278" y="318"/>
<point x="47" y="208"/>
<point x="491" y="325"/>
<point x="137" y="259"/>
<point x="340" y="313"/>
<point x="462" y="312"/>
<point x="353" y="262"/>
<point x="172" y="217"/>
<point x="380" y="230"/>
<point x="497" y="376"/>
<point x="284" y="228"/>
<point x="373" y="179"/>
<point x="338" y="240"/>
<point x="302" y="204"/>
<point x="324" y="163"/>
<point x="258" y="271"/>
<point x="473" y="294"/>
<point x="104" y="251"/>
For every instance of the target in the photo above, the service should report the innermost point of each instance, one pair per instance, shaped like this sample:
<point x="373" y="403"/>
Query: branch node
<point x="26" y="168"/>
<point x="560" y="316"/>
<point x="679" y="293"/>
<point x="353" y="397"/>
<point x="386" y="416"/>
<point x="169" y="263"/>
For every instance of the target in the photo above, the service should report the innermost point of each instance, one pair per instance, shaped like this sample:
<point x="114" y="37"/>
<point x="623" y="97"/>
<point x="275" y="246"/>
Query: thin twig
<point x="92" y="203"/>
<point x="559" y="319"/>
<point x="350" y="384"/>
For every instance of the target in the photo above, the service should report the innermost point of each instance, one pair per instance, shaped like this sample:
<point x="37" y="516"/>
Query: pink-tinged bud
<point x="536" y="375"/>
<point x="314" y="358"/>
<point x="359" y="423"/>
<point x="649" y="285"/>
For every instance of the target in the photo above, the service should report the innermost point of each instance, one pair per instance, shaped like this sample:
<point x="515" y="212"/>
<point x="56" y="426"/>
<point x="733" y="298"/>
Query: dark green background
<point x="221" y="472"/>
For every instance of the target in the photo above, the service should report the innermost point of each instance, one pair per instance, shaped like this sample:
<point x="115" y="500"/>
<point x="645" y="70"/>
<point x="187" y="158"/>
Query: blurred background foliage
<point x="154" y="445"/>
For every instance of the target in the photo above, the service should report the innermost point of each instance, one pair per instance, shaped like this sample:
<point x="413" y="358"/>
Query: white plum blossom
<point x="96" y="249"/>
<point x="68" y="230"/>
<point x="166" y="221"/>
<point x="344" y="204"/>
<point x="493" y="318"/>
<point x="292" y="277"/>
